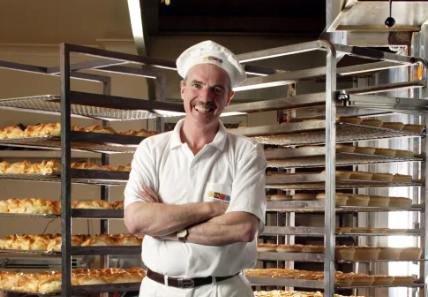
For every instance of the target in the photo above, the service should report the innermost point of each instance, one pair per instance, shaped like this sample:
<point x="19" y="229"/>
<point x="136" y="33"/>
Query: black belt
<point x="185" y="283"/>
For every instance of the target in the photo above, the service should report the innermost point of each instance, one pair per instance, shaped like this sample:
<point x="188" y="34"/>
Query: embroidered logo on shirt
<point x="219" y="196"/>
<point x="213" y="59"/>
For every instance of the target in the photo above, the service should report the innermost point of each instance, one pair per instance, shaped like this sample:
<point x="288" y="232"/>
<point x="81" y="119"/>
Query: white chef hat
<point x="209" y="52"/>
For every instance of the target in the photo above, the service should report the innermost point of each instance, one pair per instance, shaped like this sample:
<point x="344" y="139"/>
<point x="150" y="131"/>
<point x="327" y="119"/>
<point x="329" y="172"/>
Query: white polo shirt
<point x="230" y="165"/>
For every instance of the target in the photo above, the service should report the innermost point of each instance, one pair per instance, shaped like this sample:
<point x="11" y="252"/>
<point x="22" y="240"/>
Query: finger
<point x="153" y="197"/>
<point x="152" y="193"/>
<point x="147" y="197"/>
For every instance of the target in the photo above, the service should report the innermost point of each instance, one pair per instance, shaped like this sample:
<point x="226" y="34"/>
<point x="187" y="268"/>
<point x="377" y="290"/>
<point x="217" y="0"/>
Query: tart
<point x="404" y="178"/>
<point x="351" y="120"/>
<point x="387" y="253"/>
<point x="289" y="248"/>
<point x="403" y="280"/>
<point x="393" y="125"/>
<point x="313" y="249"/>
<point x="382" y="280"/>
<point x="358" y="200"/>
<point x="415" y="128"/>
<point x="387" y="177"/>
<point x="340" y="199"/>
<point x="402" y="202"/>
<point x="384" y="152"/>
<point x="364" y="150"/>
<point x="366" y="253"/>
<point x="404" y="153"/>
<point x="345" y="148"/>
<point x="411" y="253"/>
<point x="362" y="279"/>
<point x="345" y="252"/>
<point x="371" y="122"/>
<point x="304" y="196"/>
<point x="360" y="175"/>
<point x="378" y="201"/>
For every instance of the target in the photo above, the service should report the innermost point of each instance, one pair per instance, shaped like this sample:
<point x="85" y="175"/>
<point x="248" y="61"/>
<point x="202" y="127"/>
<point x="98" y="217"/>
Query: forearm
<point x="225" y="229"/>
<point x="158" y="219"/>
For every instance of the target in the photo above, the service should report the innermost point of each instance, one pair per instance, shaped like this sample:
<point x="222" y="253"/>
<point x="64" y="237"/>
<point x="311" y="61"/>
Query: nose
<point x="205" y="94"/>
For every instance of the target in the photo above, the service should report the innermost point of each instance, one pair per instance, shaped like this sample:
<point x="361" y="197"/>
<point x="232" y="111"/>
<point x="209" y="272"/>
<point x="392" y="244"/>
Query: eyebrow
<point x="215" y="86"/>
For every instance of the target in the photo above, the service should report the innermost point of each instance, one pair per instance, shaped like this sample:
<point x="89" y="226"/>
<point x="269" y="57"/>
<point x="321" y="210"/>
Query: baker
<point x="198" y="193"/>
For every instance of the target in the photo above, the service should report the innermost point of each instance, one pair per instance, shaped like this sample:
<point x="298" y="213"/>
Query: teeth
<point x="202" y="109"/>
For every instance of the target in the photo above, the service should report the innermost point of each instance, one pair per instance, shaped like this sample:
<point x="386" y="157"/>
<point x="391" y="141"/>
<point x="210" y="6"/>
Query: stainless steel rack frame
<point x="315" y="132"/>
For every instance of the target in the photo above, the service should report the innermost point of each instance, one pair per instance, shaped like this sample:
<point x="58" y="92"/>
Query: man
<point x="197" y="193"/>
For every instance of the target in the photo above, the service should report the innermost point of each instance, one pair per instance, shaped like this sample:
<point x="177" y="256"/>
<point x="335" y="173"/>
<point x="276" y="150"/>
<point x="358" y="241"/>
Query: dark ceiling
<point x="252" y="17"/>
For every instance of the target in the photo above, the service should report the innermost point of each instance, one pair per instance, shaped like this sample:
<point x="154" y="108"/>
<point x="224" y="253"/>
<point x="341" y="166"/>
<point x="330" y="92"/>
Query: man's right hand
<point x="219" y="208"/>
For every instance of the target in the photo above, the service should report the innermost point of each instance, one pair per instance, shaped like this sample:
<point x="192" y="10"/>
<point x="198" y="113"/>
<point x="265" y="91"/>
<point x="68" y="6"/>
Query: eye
<point x="217" y="90"/>
<point x="196" y="85"/>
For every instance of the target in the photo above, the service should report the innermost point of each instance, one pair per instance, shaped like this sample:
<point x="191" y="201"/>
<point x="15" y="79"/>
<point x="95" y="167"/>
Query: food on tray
<point x="402" y="178"/>
<point x="42" y="206"/>
<point x="403" y="280"/>
<point x="54" y="129"/>
<point x="360" y="279"/>
<point x="371" y="122"/>
<point x="292" y="294"/>
<point x="382" y="280"/>
<point x="340" y="199"/>
<point x="289" y="248"/>
<point x="379" y="201"/>
<point x="345" y="252"/>
<point x="365" y="150"/>
<point x="266" y="247"/>
<point x="304" y="196"/>
<point x="345" y="148"/>
<point x="404" y="153"/>
<point x="384" y="152"/>
<point x="402" y="202"/>
<point x="280" y="197"/>
<point x="382" y="177"/>
<point x="366" y="253"/>
<point x="313" y="249"/>
<point x="415" y="128"/>
<point x="393" y="125"/>
<point x="358" y="200"/>
<point x="50" y="281"/>
<point x="351" y="120"/>
<point x="361" y="175"/>
<point x="343" y="174"/>
<point x="387" y="253"/>
<point x="410" y="253"/>
<point x="52" y="242"/>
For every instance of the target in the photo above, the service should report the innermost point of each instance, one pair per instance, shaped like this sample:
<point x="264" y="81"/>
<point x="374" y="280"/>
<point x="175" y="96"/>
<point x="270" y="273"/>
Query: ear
<point x="182" y="86"/>
<point x="229" y="97"/>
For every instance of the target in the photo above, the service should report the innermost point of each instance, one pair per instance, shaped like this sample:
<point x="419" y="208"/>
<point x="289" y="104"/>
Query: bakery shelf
<point x="313" y="132"/>
<point x="314" y="257"/>
<point x="317" y="181"/>
<point x="30" y="215"/>
<point x="105" y="250"/>
<point x="40" y="253"/>
<point x="97" y="213"/>
<point x="121" y="109"/>
<point x="25" y="293"/>
<point x="414" y="285"/>
<point x="81" y="141"/>
<point x="319" y="206"/>
<point x="320" y="231"/>
<point x="79" y="176"/>
<point x="342" y="159"/>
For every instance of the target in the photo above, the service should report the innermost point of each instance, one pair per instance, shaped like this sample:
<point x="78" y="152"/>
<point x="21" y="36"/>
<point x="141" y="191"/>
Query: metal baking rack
<point x="41" y="253"/>
<point x="315" y="257"/>
<point x="319" y="206"/>
<point x="83" y="250"/>
<point x="342" y="159"/>
<point x="25" y="293"/>
<point x="313" y="132"/>
<point x="138" y="109"/>
<point x="320" y="231"/>
<point x="81" y="141"/>
<point x="30" y="215"/>
<point x="97" y="213"/>
<point x="79" y="176"/>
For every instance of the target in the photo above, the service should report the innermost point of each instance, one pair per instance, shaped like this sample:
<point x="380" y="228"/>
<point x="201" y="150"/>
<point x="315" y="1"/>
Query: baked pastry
<point x="11" y="132"/>
<point x="118" y="205"/>
<point x="366" y="253"/>
<point x="313" y="249"/>
<point x="378" y="201"/>
<point x="384" y="152"/>
<point x="344" y="252"/>
<point x="50" y="167"/>
<point x="404" y="153"/>
<point x="411" y="253"/>
<point x="95" y="204"/>
<point x="4" y="166"/>
<point x="371" y="122"/>
<point x="342" y="174"/>
<point x="141" y="133"/>
<point x="280" y="197"/>
<point x="415" y="128"/>
<point x="289" y="248"/>
<point x="351" y="120"/>
<point x="387" y="253"/>
<point x="364" y="150"/>
<point x="358" y="200"/>
<point x="382" y="177"/>
<point x="304" y="196"/>
<point x="361" y="175"/>
<point x="266" y="247"/>
<point x="393" y="125"/>
<point x="403" y="280"/>
<point x="340" y="199"/>
<point x="401" y="202"/>
<point x="402" y="178"/>
<point x="100" y="129"/>
<point x="18" y="167"/>
<point x="345" y="148"/>
<point x="359" y="279"/>
<point x="382" y="280"/>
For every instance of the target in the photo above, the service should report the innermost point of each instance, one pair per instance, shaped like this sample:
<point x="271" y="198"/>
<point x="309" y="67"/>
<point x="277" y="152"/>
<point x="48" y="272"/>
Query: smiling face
<point x="205" y="92"/>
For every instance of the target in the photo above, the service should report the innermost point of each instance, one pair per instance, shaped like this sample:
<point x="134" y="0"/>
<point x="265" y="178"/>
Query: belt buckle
<point x="185" y="283"/>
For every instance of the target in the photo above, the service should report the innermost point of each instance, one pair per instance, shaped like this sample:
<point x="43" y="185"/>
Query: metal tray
<point x="97" y="213"/>
<point x="342" y="159"/>
<point x="319" y="206"/>
<point x="30" y="215"/>
<point x="50" y="104"/>
<point x="79" y="176"/>
<point x="314" y="257"/>
<point x="40" y="253"/>
<point x="320" y="231"/>
<point x="105" y="250"/>
<point x="25" y="293"/>
<point x="313" y="132"/>
<point x="81" y="141"/>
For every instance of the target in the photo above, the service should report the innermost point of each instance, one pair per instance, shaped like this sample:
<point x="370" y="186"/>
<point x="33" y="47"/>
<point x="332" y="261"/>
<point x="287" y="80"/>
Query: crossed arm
<point x="206" y="222"/>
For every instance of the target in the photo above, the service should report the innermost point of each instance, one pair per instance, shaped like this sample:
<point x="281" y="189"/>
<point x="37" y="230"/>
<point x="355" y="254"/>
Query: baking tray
<point x="30" y="215"/>
<point x="51" y="104"/>
<point x="81" y="141"/>
<point x="105" y="250"/>
<point x="313" y="132"/>
<point x="97" y="213"/>
<point x="314" y="257"/>
<point x="25" y="293"/>
<point x="320" y="231"/>
<point x="285" y="282"/>
<point x="342" y="159"/>
<point x="39" y="253"/>
<point x="319" y="206"/>
<point x="79" y="176"/>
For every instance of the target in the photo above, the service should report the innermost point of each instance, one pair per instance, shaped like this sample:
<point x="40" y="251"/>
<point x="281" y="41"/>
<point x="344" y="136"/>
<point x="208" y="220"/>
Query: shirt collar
<point x="219" y="140"/>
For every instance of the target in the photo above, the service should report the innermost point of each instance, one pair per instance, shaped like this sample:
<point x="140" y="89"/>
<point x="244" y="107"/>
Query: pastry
<point x="18" y="168"/>
<point x="345" y="148"/>
<point x="342" y="174"/>
<point x="371" y="122"/>
<point x="403" y="280"/>
<point x="393" y="125"/>
<point x="387" y="177"/>
<point x="4" y="166"/>
<point x="378" y="201"/>
<point x="340" y="199"/>
<point x="358" y="200"/>
<point x="304" y="196"/>
<point x="359" y="175"/>
<point x="364" y="150"/>
<point x="313" y="249"/>
<point x="289" y="248"/>
<point x="415" y="128"/>
<point x="266" y="247"/>
<point x="411" y="253"/>
<point x="404" y="153"/>
<point x="280" y="197"/>
<point x="11" y="132"/>
<point x="50" y="167"/>
<point x="402" y="178"/>
<point x="141" y="133"/>
<point x="382" y="280"/>
<point x="344" y="252"/>
<point x="100" y="129"/>
<point x="118" y="205"/>
<point x="387" y="253"/>
<point x="384" y="152"/>
<point x="96" y="204"/>
<point x="366" y="253"/>
<point x="401" y="202"/>
<point x="359" y="279"/>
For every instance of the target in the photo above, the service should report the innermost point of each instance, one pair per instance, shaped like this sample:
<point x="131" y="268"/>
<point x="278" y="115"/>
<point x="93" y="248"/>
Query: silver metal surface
<point x="291" y="282"/>
<point x="30" y="215"/>
<point x="51" y="104"/>
<point x="307" y="231"/>
<point x="386" y="103"/>
<point x="340" y="184"/>
<point x="97" y="213"/>
<point x="93" y="289"/>
<point x="279" y="256"/>
<point x="105" y="250"/>
<point x="41" y="253"/>
<point x="26" y="293"/>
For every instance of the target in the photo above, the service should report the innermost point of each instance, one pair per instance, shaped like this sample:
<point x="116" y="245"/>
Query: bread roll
<point x="345" y="148"/>
<point x="402" y="178"/>
<point x="415" y="128"/>
<point x="280" y="197"/>
<point x="304" y="196"/>
<point x="393" y="125"/>
<point x="384" y="152"/>
<point x="364" y="150"/>
<point x="371" y="122"/>
<point x="359" y="175"/>
<point x="266" y="247"/>
<point x="404" y="153"/>
<point x="401" y="202"/>
<point x="387" y="177"/>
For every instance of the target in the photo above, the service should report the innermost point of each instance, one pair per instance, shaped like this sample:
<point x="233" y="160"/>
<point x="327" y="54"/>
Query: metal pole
<point x="65" y="171"/>
<point x="330" y="160"/>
